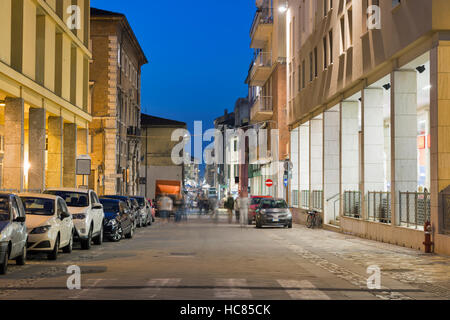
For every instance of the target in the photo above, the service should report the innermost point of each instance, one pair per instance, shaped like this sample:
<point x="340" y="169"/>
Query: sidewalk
<point x="429" y="272"/>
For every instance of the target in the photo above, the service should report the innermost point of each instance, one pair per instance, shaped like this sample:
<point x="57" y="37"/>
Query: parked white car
<point x="13" y="231"/>
<point x="87" y="213"/>
<point x="49" y="224"/>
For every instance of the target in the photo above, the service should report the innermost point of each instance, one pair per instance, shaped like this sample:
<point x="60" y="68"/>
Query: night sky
<point x="198" y="54"/>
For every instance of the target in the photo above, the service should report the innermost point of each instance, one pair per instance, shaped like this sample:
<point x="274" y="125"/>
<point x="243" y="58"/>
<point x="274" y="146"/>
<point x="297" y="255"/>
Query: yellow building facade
<point x="44" y="92"/>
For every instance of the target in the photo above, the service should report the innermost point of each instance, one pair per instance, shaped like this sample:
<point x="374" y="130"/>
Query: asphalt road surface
<point x="203" y="259"/>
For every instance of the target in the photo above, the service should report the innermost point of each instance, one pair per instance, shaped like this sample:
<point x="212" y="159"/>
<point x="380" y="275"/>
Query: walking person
<point x="179" y="208"/>
<point x="165" y="207"/>
<point x="237" y="211"/>
<point x="229" y="205"/>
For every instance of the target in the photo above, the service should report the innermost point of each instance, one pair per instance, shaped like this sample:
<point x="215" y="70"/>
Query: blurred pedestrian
<point x="237" y="209"/>
<point x="229" y="205"/>
<point x="165" y="207"/>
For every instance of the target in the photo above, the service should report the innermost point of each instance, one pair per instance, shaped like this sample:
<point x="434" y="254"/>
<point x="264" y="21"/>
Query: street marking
<point x="234" y="291"/>
<point x="155" y="285"/>
<point x="83" y="291"/>
<point x="302" y="290"/>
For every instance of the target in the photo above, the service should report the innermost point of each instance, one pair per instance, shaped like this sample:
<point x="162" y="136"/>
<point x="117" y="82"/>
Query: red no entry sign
<point x="269" y="183"/>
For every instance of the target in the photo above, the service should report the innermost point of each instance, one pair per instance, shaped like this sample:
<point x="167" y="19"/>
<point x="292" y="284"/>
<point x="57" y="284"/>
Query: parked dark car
<point x="273" y="212"/>
<point x="118" y="221"/>
<point x="127" y="200"/>
<point x="13" y="231"/>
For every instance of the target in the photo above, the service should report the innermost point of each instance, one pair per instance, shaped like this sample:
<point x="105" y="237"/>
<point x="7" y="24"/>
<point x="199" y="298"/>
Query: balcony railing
<point x="317" y="200"/>
<point x="352" y="204"/>
<point x="414" y="208"/>
<point x="294" y="198"/>
<point x="379" y="206"/>
<point x="262" y="109"/>
<point x="261" y="69"/>
<point x="304" y="199"/>
<point x="263" y="18"/>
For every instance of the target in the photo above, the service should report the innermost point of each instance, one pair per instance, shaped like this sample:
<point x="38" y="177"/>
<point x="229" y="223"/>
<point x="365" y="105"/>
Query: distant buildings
<point x="116" y="104"/>
<point x="156" y="150"/>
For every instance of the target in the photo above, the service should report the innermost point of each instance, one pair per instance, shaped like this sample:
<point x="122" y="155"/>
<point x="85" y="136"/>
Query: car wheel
<point x="22" y="259"/>
<point x="69" y="247"/>
<point x="54" y="254"/>
<point x="290" y="225"/>
<point x="86" y="244"/>
<point x="118" y="235"/>
<point x="4" y="263"/>
<point x="98" y="240"/>
<point x="130" y="234"/>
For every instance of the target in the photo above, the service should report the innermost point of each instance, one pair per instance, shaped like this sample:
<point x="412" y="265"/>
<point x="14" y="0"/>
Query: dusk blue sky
<point x="198" y="54"/>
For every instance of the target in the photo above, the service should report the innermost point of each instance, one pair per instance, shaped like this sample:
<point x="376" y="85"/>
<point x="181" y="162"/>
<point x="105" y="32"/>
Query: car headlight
<point x="112" y="223"/>
<point x="40" y="230"/>
<point x="79" y="216"/>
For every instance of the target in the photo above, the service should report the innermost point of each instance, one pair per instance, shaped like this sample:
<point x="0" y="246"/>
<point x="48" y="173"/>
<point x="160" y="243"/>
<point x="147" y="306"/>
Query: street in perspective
<point x="284" y="150"/>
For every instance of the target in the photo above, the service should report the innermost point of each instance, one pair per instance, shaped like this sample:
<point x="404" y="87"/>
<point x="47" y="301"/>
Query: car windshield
<point x="4" y="209"/>
<point x="141" y="202"/>
<point x="256" y="200"/>
<point x="274" y="204"/>
<point x="110" y="206"/>
<point x="73" y="199"/>
<point x="39" y="206"/>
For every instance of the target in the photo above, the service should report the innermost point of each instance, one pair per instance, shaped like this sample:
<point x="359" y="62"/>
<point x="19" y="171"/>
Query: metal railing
<point x="263" y="16"/>
<point x="261" y="104"/>
<point x="352" y="204"/>
<point x="317" y="200"/>
<point x="414" y="208"/>
<point x="379" y="206"/>
<point x="336" y="198"/>
<point x="263" y="59"/>
<point x="294" y="198"/>
<point x="304" y="199"/>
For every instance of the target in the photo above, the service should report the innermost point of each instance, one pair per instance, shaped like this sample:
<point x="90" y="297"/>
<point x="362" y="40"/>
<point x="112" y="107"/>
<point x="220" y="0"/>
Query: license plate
<point x="275" y="220"/>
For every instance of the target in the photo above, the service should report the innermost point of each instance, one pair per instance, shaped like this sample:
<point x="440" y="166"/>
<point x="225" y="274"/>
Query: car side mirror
<point x="65" y="215"/>
<point x="20" y="219"/>
<point x="97" y="206"/>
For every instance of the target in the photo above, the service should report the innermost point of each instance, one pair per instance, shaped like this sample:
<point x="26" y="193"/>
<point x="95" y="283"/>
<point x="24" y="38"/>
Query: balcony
<point x="262" y="109"/>
<point x="261" y="69"/>
<point x="261" y="28"/>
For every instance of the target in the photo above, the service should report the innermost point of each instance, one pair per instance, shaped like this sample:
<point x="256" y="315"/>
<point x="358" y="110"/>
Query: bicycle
<point x="313" y="219"/>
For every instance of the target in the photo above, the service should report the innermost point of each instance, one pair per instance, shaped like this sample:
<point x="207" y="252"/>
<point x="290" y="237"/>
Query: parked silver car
<point x="13" y="231"/>
<point x="145" y="211"/>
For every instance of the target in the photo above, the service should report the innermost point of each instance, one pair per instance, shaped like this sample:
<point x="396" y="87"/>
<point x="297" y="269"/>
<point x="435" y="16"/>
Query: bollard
<point x="428" y="243"/>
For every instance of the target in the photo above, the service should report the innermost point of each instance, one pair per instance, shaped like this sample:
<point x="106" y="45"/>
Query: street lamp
<point x="283" y="7"/>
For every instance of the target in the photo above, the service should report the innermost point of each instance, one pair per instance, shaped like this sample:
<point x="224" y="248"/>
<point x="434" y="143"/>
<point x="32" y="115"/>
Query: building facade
<point x="368" y="116"/>
<point x="267" y="95"/>
<point x="226" y="165"/>
<point x="156" y="148"/>
<point x="116" y="104"/>
<point x="44" y="93"/>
